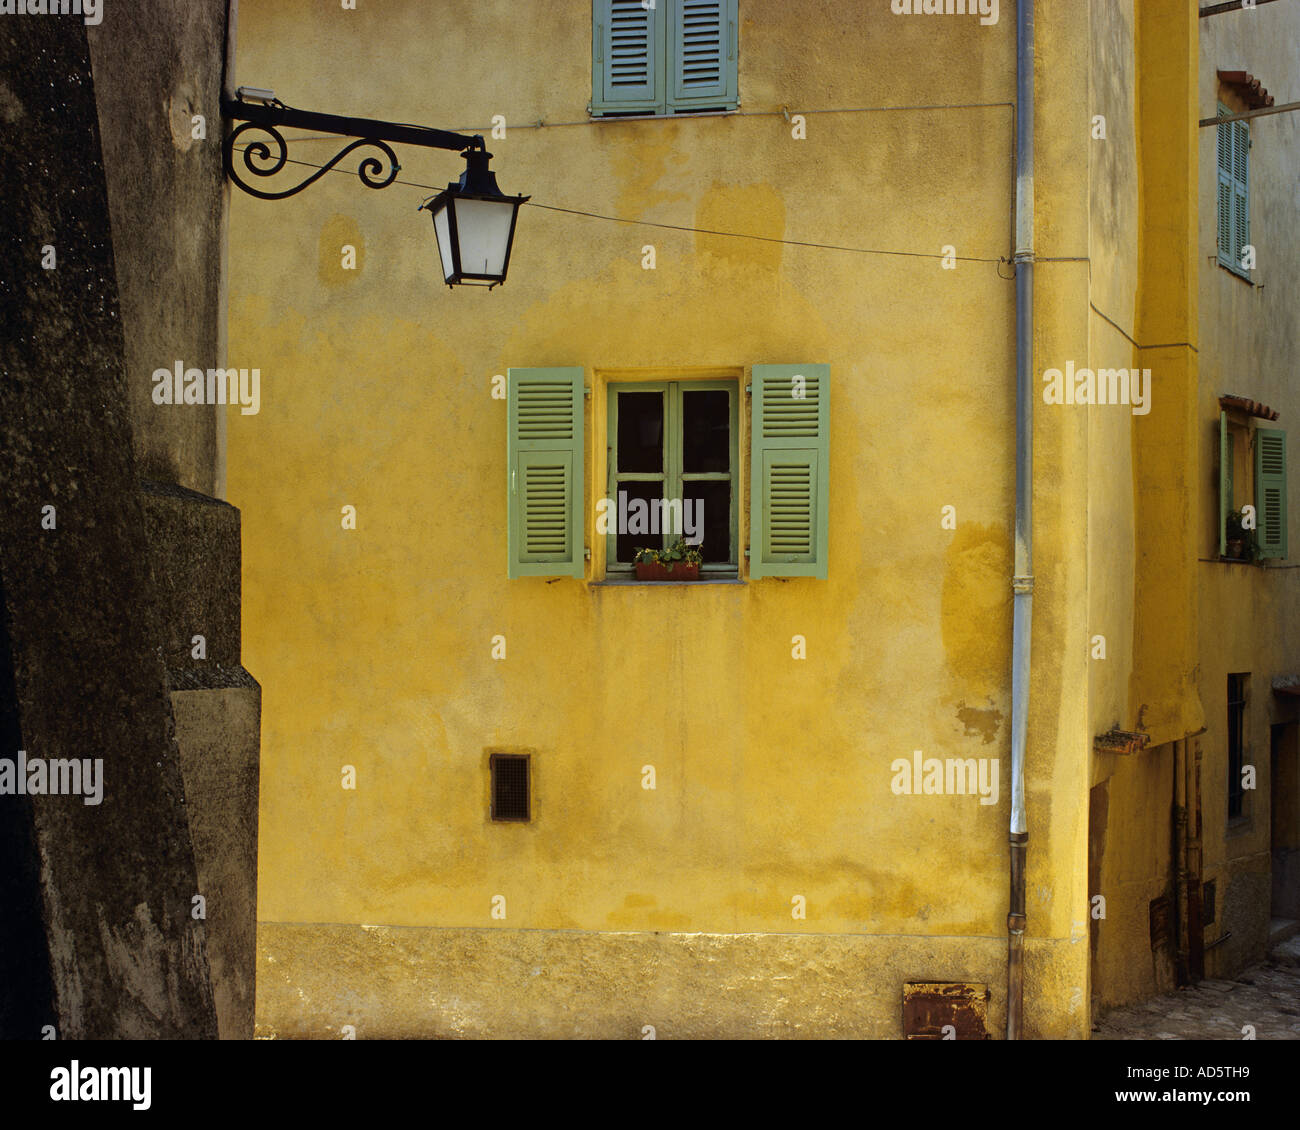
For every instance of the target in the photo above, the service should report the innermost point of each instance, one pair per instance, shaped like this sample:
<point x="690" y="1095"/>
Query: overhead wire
<point x="688" y="228"/>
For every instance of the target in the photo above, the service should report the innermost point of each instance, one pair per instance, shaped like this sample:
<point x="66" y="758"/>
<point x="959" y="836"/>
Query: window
<point x="1236" y="743"/>
<point x="663" y="56"/>
<point x="672" y="471"/>
<point x="510" y="786"/>
<point x="674" y="439"/>
<point x="1234" y="193"/>
<point x="1252" y="472"/>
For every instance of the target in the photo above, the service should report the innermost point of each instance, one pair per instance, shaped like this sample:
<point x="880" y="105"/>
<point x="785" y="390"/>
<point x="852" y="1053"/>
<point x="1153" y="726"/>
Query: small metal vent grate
<point x="510" y="786"/>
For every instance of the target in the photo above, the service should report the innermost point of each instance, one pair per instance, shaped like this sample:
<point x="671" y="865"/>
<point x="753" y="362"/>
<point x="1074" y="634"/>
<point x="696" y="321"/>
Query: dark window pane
<point x="641" y="431"/>
<point x="1236" y="743"/>
<point x="708" y="506"/>
<point x="509" y="786"/>
<point x="637" y="513"/>
<point x="706" y="431"/>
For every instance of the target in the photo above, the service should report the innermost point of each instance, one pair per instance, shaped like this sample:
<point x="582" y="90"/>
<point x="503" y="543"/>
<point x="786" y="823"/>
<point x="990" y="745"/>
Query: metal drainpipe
<point x="1180" y="863"/>
<point x="228" y="67"/>
<point x="1023" y="581"/>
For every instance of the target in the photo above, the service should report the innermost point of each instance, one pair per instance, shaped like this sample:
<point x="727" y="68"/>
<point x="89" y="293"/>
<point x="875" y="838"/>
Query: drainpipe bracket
<point x="1015" y="923"/>
<point x="1022" y="584"/>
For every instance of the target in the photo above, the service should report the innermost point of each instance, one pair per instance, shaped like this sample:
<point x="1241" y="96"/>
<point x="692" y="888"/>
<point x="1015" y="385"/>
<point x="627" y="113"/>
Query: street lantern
<point x="474" y="223"/>
<point x="473" y="220"/>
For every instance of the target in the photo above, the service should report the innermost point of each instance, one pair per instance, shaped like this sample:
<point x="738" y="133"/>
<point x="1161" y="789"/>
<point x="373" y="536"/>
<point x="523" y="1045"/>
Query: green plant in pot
<point x="1242" y="544"/>
<point x="678" y="562"/>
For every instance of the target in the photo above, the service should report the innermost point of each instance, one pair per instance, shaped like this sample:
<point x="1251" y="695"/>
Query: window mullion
<point x="673" y="438"/>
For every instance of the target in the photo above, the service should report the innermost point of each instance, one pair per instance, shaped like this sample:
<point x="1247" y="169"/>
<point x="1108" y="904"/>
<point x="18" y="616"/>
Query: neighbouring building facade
<point x="507" y="789"/>
<point x="1204" y="895"/>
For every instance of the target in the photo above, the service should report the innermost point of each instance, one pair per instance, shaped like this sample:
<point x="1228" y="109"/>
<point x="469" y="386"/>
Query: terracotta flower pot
<point x="1236" y="548"/>
<point x="679" y="571"/>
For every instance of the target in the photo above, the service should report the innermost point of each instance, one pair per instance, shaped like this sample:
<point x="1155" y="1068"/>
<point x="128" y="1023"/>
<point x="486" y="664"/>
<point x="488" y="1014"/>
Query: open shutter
<point x="627" y="46"/>
<point x="1240" y="190"/>
<point x="704" y="40"/>
<point x="1225" y="483"/>
<point x="1227" y="204"/>
<point x="544" y="432"/>
<point x="1270" y="491"/>
<point x="789" y="490"/>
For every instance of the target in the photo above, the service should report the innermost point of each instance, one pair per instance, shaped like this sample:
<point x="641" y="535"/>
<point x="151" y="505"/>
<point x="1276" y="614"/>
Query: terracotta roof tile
<point x="1248" y="87"/>
<point x="1250" y="407"/>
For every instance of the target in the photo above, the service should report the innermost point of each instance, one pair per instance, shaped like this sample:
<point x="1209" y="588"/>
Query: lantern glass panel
<point x="483" y="230"/>
<point x="442" y="228"/>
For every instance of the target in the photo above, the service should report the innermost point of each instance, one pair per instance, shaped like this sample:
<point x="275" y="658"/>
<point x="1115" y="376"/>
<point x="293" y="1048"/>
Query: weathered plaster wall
<point x="773" y="774"/>
<point x="1114" y="220"/>
<point x="1141" y="577"/>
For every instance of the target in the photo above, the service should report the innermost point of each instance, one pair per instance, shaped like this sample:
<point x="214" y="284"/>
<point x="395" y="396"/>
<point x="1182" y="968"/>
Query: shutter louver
<point x="702" y="34"/>
<point x="1226" y="202"/>
<point x="544" y="434"/>
<point x="626" y="57"/>
<point x="1270" y="492"/>
<point x="790" y="465"/>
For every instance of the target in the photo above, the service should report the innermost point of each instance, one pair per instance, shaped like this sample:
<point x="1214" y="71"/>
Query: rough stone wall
<point x="101" y="611"/>
<point x="156" y="65"/>
<point x="123" y="956"/>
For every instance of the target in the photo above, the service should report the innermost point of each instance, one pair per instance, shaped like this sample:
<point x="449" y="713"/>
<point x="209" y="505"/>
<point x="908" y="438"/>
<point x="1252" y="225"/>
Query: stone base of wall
<point x="395" y="982"/>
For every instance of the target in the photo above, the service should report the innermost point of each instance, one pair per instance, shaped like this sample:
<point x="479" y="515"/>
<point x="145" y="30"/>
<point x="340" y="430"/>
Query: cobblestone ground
<point x="1266" y="997"/>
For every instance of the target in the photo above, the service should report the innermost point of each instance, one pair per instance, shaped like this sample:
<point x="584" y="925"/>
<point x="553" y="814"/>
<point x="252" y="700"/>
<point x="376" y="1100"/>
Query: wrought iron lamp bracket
<point x="265" y="158"/>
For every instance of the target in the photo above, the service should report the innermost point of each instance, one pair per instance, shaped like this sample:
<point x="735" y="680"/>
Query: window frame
<point x="498" y="758"/>
<point x="1242" y="479"/>
<point x="673" y="475"/>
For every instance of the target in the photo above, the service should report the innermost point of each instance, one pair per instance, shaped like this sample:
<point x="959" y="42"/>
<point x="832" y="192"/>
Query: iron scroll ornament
<point x="257" y="153"/>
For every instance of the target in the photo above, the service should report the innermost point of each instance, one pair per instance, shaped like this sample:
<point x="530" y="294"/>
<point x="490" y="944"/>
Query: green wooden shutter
<point x="627" y="57"/>
<point x="1225" y="483"/>
<point x="789" y="490"/>
<point x="1270" y="491"/>
<point x="544" y="435"/>
<point x="1240" y="190"/>
<point x="704" y="39"/>
<point x="1226" y="195"/>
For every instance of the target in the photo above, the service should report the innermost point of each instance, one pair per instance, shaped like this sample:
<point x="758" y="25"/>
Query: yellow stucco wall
<point x="773" y="774"/>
